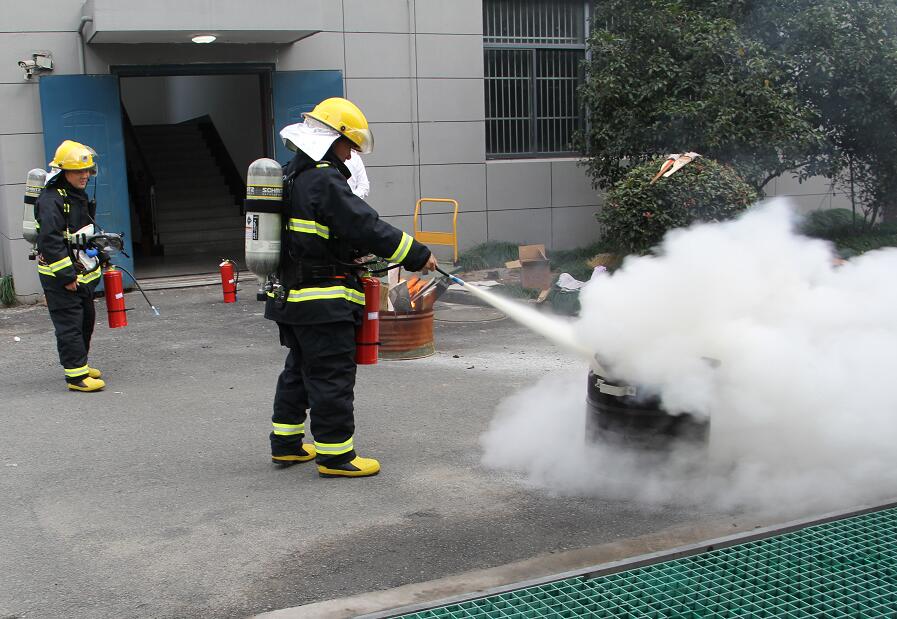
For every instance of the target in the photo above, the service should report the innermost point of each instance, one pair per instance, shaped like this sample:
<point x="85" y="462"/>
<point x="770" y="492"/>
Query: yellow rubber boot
<point x="94" y="373"/>
<point x="290" y="460"/>
<point x="87" y="384"/>
<point x="359" y="467"/>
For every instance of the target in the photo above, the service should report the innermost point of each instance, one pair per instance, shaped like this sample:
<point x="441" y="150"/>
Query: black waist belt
<point x="305" y="271"/>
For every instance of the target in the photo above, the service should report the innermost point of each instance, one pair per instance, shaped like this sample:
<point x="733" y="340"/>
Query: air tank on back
<point x="34" y="184"/>
<point x="264" y="204"/>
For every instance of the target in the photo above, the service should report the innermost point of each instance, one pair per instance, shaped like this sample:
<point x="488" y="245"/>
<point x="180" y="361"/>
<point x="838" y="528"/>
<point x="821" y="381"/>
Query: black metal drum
<point x="617" y="414"/>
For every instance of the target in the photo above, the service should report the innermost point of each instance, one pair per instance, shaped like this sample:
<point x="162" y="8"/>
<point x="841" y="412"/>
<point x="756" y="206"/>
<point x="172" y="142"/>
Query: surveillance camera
<point x="43" y="61"/>
<point x="38" y="63"/>
<point x="29" y="66"/>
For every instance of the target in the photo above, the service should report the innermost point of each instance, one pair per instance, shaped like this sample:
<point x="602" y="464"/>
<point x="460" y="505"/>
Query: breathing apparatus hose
<point x="153" y="307"/>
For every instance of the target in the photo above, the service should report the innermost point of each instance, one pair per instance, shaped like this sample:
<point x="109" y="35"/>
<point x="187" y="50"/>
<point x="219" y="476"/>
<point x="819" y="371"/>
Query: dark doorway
<point x="190" y="135"/>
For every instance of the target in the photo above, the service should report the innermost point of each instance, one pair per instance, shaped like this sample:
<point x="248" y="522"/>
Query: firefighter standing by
<point x="326" y="228"/>
<point x="61" y="210"/>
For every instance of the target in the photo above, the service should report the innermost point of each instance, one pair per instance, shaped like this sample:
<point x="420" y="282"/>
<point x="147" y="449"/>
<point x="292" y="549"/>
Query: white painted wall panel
<point x="471" y="231"/>
<point x="573" y="227"/>
<point x="392" y="145"/>
<point x="378" y="55"/>
<point x="323" y="50"/>
<point x="523" y="227"/>
<point x="393" y="190"/>
<point x="27" y="16"/>
<point x="451" y="99"/>
<point x="11" y="217"/>
<point x="518" y="184"/>
<point x="382" y="100"/>
<point x="16" y="46"/>
<point x="16" y="250"/>
<point x="19" y="153"/>
<point x="842" y="200"/>
<point x="788" y="185"/>
<point x="465" y="183"/>
<point x="570" y="185"/>
<point x="443" y="55"/>
<point x="379" y="16"/>
<point x="806" y="204"/>
<point x="204" y="15"/>
<point x="402" y="222"/>
<point x="455" y="17"/>
<point x="21" y="108"/>
<point x="452" y="142"/>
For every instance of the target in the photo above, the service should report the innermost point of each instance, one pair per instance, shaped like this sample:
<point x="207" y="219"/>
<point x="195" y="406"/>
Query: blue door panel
<point x="87" y="109"/>
<point x="296" y="92"/>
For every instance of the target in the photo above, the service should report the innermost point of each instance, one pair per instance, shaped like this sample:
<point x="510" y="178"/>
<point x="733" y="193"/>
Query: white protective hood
<point x="311" y="137"/>
<point x="53" y="173"/>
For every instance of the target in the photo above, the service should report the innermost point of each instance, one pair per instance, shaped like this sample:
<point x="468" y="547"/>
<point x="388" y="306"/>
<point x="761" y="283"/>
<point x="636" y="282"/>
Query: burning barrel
<point x="406" y="329"/>
<point x="406" y="335"/>
<point x="616" y="413"/>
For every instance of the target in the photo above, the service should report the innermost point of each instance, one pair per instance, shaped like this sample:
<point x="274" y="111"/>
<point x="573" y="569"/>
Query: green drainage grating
<point x="844" y="568"/>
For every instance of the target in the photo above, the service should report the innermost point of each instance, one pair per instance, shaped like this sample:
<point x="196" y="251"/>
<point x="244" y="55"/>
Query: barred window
<point x="533" y="50"/>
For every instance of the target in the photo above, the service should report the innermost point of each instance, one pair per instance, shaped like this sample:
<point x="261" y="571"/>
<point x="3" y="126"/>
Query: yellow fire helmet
<point x="74" y="156"/>
<point x="344" y="116"/>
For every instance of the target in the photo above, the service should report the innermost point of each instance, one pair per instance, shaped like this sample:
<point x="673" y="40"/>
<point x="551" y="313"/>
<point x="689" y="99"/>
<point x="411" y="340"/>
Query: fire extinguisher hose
<point x="152" y="307"/>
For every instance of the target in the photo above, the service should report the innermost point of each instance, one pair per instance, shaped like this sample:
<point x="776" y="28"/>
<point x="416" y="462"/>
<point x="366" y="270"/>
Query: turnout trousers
<point x="318" y="376"/>
<point x="73" y="316"/>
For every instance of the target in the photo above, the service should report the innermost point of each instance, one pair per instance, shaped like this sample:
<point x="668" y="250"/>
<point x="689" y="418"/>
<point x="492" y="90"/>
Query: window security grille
<point x="532" y="60"/>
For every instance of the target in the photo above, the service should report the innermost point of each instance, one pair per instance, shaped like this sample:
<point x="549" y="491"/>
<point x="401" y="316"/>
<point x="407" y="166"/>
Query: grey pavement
<point x="156" y="497"/>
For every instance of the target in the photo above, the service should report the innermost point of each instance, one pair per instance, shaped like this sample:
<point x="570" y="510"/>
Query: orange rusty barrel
<point x="406" y="335"/>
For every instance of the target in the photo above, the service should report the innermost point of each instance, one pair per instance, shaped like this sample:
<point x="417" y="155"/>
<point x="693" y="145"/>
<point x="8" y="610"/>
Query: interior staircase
<point x="196" y="210"/>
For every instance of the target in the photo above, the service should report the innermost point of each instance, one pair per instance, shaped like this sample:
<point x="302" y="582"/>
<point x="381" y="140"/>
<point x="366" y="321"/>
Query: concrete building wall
<point x="414" y="66"/>
<point x="814" y="194"/>
<point x="416" y="69"/>
<point x="27" y="28"/>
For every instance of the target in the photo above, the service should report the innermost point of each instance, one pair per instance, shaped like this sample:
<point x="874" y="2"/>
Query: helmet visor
<point x="363" y="140"/>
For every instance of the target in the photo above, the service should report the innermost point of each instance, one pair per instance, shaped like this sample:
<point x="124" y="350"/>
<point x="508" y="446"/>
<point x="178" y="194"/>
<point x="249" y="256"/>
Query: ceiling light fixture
<point x="204" y="38"/>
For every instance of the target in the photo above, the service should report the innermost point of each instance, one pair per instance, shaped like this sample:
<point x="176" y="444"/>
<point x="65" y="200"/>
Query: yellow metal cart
<point x="437" y="238"/>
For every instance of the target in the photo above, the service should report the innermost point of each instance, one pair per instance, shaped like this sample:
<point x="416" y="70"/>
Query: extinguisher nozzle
<point x="155" y="311"/>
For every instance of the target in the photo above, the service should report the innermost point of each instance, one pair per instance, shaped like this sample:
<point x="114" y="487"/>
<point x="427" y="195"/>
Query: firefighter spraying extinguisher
<point x="367" y="335"/>
<point x="229" y="280"/>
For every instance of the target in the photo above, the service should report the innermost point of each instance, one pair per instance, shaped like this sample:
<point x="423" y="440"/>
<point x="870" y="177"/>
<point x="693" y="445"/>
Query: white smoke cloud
<point x="801" y="403"/>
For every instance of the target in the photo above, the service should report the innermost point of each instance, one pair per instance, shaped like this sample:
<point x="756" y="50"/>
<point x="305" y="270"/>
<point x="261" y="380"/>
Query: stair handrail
<point x="133" y="135"/>
<point x="148" y="181"/>
<point x="155" y="228"/>
<point x="232" y="175"/>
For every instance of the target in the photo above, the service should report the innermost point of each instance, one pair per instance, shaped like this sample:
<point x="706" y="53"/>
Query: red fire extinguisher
<point x="228" y="281"/>
<point x="367" y="335"/>
<point x="115" y="298"/>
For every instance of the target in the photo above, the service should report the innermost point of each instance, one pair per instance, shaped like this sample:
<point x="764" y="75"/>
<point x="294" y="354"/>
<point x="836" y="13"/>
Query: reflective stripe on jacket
<point x="325" y="220"/>
<point x="60" y="210"/>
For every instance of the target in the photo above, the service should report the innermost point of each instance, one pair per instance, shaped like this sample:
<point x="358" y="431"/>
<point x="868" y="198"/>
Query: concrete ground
<point x="156" y="497"/>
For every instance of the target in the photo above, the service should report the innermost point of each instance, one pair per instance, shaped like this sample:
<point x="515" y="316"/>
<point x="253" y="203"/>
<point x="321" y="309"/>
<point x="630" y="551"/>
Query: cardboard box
<point x="536" y="268"/>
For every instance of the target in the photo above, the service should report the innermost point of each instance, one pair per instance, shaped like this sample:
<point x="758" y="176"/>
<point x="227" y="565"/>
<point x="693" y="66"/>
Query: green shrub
<point x="637" y="214"/>
<point x="564" y="302"/>
<point x="856" y="244"/>
<point x="7" y="291"/>
<point x="831" y="224"/>
<point x="850" y="236"/>
<point x="489" y="255"/>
